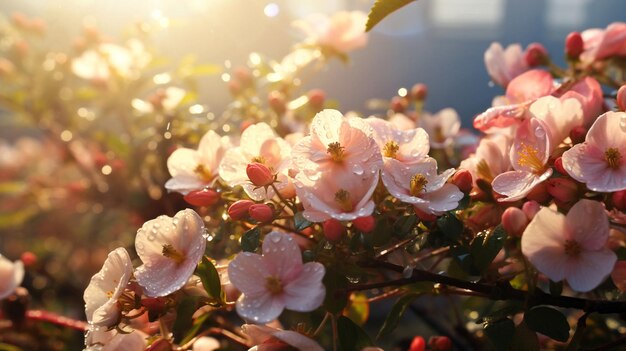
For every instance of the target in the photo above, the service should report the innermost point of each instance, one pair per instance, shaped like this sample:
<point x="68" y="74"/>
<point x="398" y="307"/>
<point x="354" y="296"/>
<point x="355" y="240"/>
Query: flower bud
<point x="530" y="209"/>
<point x="578" y="134"/>
<point x="365" y="224"/>
<point x="259" y="174"/>
<point x="28" y="258"/>
<point x="261" y="213"/>
<point x="426" y="217"/>
<point x="539" y="193"/>
<point x="333" y="230"/>
<point x="619" y="200"/>
<point x="558" y="165"/>
<point x="463" y="179"/>
<point x="536" y="55"/>
<point x="621" y="98"/>
<point x="419" y="92"/>
<point x="204" y="197"/>
<point x="574" y="45"/>
<point x="418" y="344"/>
<point x="514" y="221"/>
<point x="316" y="98"/>
<point x="440" y="343"/>
<point x="277" y="102"/>
<point x="564" y="190"/>
<point x="239" y="209"/>
<point x="399" y="104"/>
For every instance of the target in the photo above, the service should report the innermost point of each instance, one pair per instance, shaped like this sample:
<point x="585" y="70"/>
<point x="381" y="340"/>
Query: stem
<point x="291" y="230"/>
<point x="333" y="321"/>
<point x="293" y="208"/>
<point x="50" y="317"/>
<point x="319" y="328"/>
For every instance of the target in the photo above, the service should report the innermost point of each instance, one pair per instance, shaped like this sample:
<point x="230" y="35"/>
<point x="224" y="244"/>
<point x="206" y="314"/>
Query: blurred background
<point x="73" y="192"/>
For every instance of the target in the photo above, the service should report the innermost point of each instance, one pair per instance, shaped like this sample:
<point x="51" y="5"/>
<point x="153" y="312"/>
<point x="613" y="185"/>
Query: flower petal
<point x="281" y="255"/>
<point x="590" y="269"/>
<point x="262" y="308"/>
<point x="306" y="292"/>
<point x="543" y="243"/>
<point x="588" y="224"/>
<point x="248" y="273"/>
<point x="517" y="184"/>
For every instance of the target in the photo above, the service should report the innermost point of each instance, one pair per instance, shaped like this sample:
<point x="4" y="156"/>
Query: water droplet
<point x="540" y="132"/>
<point x="353" y="279"/>
<point x="357" y="169"/>
<point x="275" y="238"/>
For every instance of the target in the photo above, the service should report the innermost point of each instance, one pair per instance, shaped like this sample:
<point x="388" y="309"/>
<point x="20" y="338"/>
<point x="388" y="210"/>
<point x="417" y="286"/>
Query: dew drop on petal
<point x="539" y="132"/>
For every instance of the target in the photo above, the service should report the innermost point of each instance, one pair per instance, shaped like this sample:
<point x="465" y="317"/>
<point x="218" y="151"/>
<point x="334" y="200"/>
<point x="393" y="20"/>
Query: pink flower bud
<point x="419" y="92"/>
<point x="536" y="55"/>
<point x="261" y="213"/>
<point x="564" y="190"/>
<point x="204" y="197"/>
<point x="259" y="174"/>
<point x="574" y="45"/>
<point x="316" y="98"/>
<point x="418" y="344"/>
<point x="530" y="209"/>
<point x="333" y="230"/>
<point x="365" y="224"/>
<point x="440" y="343"/>
<point x="558" y="165"/>
<point x="399" y="104"/>
<point x="619" y="200"/>
<point x="277" y="102"/>
<point x="514" y="221"/>
<point x="463" y="179"/>
<point x="621" y="98"/>
<point x="426" y="217"/>
<point x="28" y="258"/>
<point x="239" y="209"/>
<point x="578" y="134"/>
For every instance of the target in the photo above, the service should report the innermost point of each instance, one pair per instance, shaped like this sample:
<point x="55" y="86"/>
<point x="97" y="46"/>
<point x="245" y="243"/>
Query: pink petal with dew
<point x="588" y="92"/>
<point x="212" y="148"/>
<point x="397" y="178"/>
<point x="588" y="224"/>
<point x="281" y="255"/>
<point x="501" y="116"/>
<point x="531" y="148"/>
<point x="305" y="292"/>
<point x="517" y="184"/>
<point x="619" y="275"/>
<point x="444" y="199"/>
<point x="608" y="131"/>
<point x="160" y="275"/>
<point x="253" y="138"/>
<point x="504" y="65"/>
<point x="530" y="85"/>
<point x="436" y="181"/>
<point x="183" y="161"/>
<point x="559" y="116"/>
<point x="185" y="184"/>
<point x="590" y="269"/>
<point x="543" y="243"/>
<point x="11" y="276"/>
<point x="262" y="308"/>
<point x="326" y="127"/>
<point x="248" y="273"/>
<point x="586" y="163"/>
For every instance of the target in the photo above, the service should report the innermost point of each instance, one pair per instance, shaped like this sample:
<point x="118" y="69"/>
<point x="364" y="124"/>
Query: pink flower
<point x="106" y="287"/>
<point x="268" y="339"/>
<point x="170" y="248"/>
<point x="600" y="162"/>
<point x="102" y="339"/>
<point x="407" y="146"/>
<point x="490" y="159"/>
<point x="260" y="144"/>
<point x="529" y="156"/>
<point x="420" y="185"/>
<point x="341" y="33"/>
<point x="196" y="169"/>
<point x="603" y="43"/>
<point x="505" y="64"/>
<point x="276" y="280"/>
<point x="559" y="115"/>
<point x="571" y="247"/>
<point x="11" y="276"/>
<point x="441" y="127"/>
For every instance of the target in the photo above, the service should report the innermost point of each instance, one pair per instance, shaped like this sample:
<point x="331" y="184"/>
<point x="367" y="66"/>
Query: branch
<point x="45" y="316"/>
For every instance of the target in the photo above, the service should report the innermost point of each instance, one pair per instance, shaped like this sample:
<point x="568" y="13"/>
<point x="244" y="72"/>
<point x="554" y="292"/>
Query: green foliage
<point x="548" y="321"/>
<point x="391" y="322"/>
<point x="450" y="226"/>
<point x="336" y="298"/>
<point x="185" y="310"/>
<point x="404" y="225"/>
<point x="351" y="336"/>
<point x="500" y="333"/>
<point x="210" y="280"/>
<point x="250" y="240"/>
<point x="485" y="247"/>
<point x="300" y="222"/>
<point x="381" y="9"/>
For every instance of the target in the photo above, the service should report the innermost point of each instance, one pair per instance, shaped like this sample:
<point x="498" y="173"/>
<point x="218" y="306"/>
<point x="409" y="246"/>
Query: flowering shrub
<point x="288" y="233"/>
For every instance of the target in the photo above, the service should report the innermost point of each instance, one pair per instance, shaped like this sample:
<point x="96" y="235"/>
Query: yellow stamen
<point x="258" y="159"/>
<point x="342" y="197"/>
<point x="273" y="285"/>
<point x="572" y="248"/>
<point x="170" y="252"/>
<point x="483" y="170"/>
<point x="109" y="294"/>
<point x="418" y="183"/>
<point x="529" y="156"/>
<point x="203" y="172"/>
<point x="336" y="151"/>
<point x="391" y="149"/>
<point x="612" y="157"/>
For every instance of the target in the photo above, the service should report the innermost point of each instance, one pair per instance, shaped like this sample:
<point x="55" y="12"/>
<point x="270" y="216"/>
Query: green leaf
<point x="336" y="297"/>
<point x="250" y="239"/>
<point x="210" y="279"/>
<point x="351" y="336"/>
<point x="195" y="328"/>
<point x="500" y="333"/>
<point x="391" y="322"/>
<point x="548" y="321"/>
<point x="186" y="309"/>
<point x="525" y="339"/>
<point x="301" y="222"/>
<point x="451" y="226"/>
<point x="485" y="247"/>
<point x="403" y="225"/>
<point x="556" y="288"/>
<point x="381" y="9"/>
